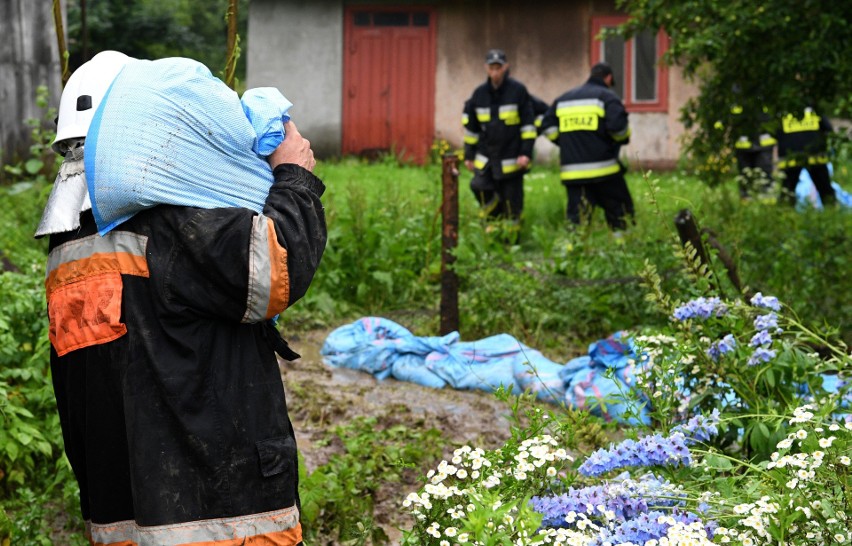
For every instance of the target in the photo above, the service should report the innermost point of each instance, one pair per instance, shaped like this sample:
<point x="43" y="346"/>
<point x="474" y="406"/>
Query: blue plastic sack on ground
<point x="169" y="132"/>
<point x="386" y="349"/>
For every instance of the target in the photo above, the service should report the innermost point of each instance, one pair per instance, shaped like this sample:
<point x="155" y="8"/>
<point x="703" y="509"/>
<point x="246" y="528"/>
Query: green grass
<point x="558" y="290"/>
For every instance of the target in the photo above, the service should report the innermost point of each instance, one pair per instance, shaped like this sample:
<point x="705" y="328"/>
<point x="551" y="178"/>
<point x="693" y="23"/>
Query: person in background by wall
<point x="589" y="124"/>
<point x="802" y="144"/>
<point x="499" y="133"/>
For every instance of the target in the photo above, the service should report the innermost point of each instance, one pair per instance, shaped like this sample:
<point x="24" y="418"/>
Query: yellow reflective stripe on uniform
<point x="528" y="132"/>
<point x="552" y="133"/>
<point x="579" y="115"/>
<point x="509" y="114"/>
<point x="278" y="527"/>
<point x="736" y="109"/>
<point x="509" y="166"/>
<point x="480" y="161"/>
<point x="483" y="115"/>
<point x="767" y="140"/>
<point x="743" y="143"/>
<point x="580" y="171"/>
<point x="470" y="137"/>
<point x="808" y="123"/>
<point x="465" y="119"/>
<point x="538" y="120"/>
<point x="621" y="135"/>
<point x="801" y="162"/>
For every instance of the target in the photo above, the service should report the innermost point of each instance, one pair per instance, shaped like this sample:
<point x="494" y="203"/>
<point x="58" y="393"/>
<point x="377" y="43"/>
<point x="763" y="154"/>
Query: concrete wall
<point x="29" y="57"/>
<point x="297" y="47"/>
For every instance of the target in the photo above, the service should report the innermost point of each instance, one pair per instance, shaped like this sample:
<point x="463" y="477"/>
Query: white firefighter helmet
<point x="83" y="93"/>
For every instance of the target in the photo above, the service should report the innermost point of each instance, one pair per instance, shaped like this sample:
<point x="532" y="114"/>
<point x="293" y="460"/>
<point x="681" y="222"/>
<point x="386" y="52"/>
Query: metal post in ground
<point x="449" y="241"/>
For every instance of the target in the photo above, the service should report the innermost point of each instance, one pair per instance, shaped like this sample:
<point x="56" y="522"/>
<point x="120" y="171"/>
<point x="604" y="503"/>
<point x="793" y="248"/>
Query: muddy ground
<point x="320" y="397"/>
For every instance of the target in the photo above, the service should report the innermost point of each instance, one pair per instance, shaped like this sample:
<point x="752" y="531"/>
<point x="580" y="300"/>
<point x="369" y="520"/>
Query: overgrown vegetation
<point x="766" y="57"/>
<point x="556" y="290"/>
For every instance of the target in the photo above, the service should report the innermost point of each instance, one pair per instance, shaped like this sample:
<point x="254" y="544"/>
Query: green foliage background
<point x="782" y="55"/>
<point x="153" y="29"/>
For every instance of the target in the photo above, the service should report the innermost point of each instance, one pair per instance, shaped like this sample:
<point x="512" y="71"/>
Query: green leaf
<point x="770" y="377"/>
<point x="717" y="462"/>
<point x="34" y="166"/>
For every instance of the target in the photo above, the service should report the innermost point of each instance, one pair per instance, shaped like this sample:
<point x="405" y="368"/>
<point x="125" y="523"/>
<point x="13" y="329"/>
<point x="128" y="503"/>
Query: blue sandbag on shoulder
<point x="169" y="132"/>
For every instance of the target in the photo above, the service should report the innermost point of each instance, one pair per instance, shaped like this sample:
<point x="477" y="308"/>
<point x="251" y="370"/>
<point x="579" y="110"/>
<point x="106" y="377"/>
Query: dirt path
<point x="320" y="397"/>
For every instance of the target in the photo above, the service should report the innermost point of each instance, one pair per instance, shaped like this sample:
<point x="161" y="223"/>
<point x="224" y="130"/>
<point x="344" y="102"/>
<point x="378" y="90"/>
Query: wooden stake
<point x="231" y="56"/>
<point x="60" y="40"/>
<point x="449" y="241"/>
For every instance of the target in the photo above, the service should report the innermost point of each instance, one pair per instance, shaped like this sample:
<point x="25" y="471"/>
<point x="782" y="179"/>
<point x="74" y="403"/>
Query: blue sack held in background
<point x="169" y="132"/>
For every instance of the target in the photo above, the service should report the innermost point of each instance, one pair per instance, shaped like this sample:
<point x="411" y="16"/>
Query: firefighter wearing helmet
<point x="162" y="345"/>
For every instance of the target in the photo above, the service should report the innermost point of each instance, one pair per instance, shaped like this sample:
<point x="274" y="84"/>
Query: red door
<point x="389" y="81"/>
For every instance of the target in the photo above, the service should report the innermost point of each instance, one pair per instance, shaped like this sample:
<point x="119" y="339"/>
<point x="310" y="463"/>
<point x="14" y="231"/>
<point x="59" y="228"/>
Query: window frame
<point x="661" y="104"/>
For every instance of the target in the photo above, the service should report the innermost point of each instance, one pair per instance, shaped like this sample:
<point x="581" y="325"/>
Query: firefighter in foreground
<point x="163" y="354"/>
<point x="499" y="133"/>
<point x="589" y="124"/>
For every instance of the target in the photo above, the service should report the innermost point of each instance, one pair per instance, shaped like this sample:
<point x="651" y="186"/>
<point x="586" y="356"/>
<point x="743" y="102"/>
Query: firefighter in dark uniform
<point x="753" y="149"/>
<point x="802" y="145"/>
<point x="589" y="124"/>
<point x="499" y="133"/>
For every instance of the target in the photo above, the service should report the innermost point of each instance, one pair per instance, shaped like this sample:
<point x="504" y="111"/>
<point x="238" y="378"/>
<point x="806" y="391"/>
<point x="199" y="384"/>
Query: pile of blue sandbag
<point x="386" y="349"/>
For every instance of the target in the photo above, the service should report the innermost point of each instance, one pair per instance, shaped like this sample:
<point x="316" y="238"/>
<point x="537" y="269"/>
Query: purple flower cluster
<point x="722" y="347"/>
<point x="702" y="308"/>
<point x="648" y="451"/>
<point x="647" y="527"/>
<point x="766" y="302"/>
<point x="626" y="498"/>
<point x="761" y="355"/>
<point x="765" y="322"/>
<point x="760" y="339"/>
<point x="700" y="428"/>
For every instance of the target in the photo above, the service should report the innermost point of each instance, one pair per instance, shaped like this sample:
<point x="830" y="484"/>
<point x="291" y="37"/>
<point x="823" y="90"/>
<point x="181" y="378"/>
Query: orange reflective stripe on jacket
<point x="83" y="287"/>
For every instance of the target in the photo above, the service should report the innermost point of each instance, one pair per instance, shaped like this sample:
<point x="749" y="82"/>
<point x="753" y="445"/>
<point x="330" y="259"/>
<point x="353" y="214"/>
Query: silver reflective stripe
<point x="551" y="132"/>
<point x="507" y="108"/>
<point x="113" y="242"/>
<point x="483" y="114"/>
<point x="480" y="161"/>
<point x="197" y="532"/>
<point x="470" y="137"/>
<point x="465" y="119"/>
<point x="580" y="102"/>
<point x="259" y="273"/>
<point x="528" y="131"/>
<point x="589" y="166"/>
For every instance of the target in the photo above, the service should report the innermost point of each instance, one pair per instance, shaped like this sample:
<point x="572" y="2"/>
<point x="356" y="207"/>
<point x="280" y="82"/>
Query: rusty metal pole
<point x="449" y="241"/>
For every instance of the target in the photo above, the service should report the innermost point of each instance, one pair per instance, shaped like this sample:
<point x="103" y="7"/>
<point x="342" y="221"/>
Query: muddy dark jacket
<point x="589" y="123"/>
<point x="168" y="388"/>
<point x="499" y="126"/>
